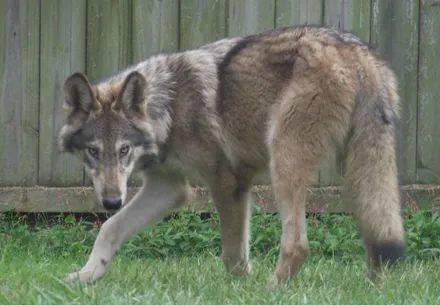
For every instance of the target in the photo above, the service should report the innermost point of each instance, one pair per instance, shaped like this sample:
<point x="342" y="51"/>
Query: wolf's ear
<point x="132" y="97"/>
<point x="79" y="101"/>
<point x="79" y="93"/>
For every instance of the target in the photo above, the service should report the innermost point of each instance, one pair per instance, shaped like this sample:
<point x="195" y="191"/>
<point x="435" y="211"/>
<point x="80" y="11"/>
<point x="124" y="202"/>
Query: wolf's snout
<point x="112" y="203"/>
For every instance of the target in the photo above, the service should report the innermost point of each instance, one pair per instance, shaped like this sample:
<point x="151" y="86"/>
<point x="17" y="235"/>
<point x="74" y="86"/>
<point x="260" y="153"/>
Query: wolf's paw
<point x="238" y="268"/>
<point x="241" y="269"/>
<point x="273" y="284"/>
<point x="277" y="281"/>
<point x="72" y="277"/>
<point x="84" y="276"/>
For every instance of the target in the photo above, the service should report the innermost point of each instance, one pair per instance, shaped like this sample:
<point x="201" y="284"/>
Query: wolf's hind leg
<point x="230" y="197"/>
<point x="290" y="172"/>
<point x="304" y="128"/>
<point x="153" y="201"/>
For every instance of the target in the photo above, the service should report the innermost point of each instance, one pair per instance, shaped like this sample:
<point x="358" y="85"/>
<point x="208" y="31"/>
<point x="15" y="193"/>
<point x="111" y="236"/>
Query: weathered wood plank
<point x="358" y="18"/>
<point x="83" y="199"/>
<point x="155" y="27"/>
<point x="298" y="12"/>
<point x="395" y="34"/>
<point x="63" y="52"/>
<point x="19" y="92"/>
<point x="250" y="16"/>
<point x="349" y="15"/>
<point x="428" y="143"/>
<point x="108" y="37"/>
<point x="331" y="170"/>
<point x="201" y="22"/>
<point x="353" y="16"/>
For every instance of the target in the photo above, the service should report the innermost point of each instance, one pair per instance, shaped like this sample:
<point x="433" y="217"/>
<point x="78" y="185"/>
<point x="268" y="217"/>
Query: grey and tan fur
<point x="221" y="114"/>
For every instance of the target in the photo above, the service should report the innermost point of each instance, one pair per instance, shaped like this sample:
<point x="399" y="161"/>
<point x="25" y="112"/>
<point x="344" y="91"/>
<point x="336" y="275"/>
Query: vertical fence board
<point x="201" y="22"/>
<point x="330" y="171"/>
<point x="428" y="158"/>
<point x="358" y="18"/>
<point x="395" y="33"/>
<point x="63" y="30"/>
<point x="108" y="37"/>
<point x="19" y="92"/>
<point x="155" y="27"/>
<point x="298" y="12"/>
<point x="250" y="16"/>
<point x="353" y="16"/>
<point x="349" y="15"/>
<point x="119" y="31"/>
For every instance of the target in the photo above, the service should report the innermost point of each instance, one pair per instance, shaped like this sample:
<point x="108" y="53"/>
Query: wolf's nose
<point x="112" y="204"/>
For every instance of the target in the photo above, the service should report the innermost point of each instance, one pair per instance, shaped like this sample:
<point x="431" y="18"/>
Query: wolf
<point x="219" y="115"/>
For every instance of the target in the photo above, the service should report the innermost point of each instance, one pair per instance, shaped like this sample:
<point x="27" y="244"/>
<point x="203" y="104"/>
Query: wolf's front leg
<point x="230" y="194"/>
<point x="153" y="201"/>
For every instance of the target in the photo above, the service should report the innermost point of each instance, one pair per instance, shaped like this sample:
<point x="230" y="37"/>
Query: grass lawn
<point x="176" y="262"/>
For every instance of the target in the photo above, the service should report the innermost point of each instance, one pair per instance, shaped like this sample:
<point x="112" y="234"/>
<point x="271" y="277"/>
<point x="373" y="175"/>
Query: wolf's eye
<point x="124" y="150"/>
<point x="93" y="152"/>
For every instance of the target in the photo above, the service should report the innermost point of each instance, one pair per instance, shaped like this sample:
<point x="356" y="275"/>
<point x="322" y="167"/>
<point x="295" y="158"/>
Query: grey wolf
<point x="279" y="100"/>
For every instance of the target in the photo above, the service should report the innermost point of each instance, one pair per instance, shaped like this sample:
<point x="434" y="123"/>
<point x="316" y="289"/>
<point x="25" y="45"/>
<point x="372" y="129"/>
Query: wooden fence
<point x="44" y="41"/>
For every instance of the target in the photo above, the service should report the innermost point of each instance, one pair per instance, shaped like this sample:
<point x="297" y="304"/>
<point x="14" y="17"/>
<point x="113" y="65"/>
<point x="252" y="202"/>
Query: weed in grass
<point x="187" y="233"/>
<point x="176" y="262"/>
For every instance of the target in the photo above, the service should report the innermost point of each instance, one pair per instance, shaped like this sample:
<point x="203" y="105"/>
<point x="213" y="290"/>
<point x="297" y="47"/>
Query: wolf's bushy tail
<point x="371" y="171"/>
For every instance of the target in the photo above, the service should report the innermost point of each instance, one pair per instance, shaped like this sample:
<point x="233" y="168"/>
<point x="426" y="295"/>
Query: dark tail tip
<point x="388" y="253"/>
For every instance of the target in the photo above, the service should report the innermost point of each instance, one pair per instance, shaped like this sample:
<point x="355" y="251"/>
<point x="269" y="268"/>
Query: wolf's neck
<point x="189" y="76"/>
<point x="160" y="93"/>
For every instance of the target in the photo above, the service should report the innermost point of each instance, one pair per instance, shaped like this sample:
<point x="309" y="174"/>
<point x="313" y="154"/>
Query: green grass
<point x="176" y="262"/>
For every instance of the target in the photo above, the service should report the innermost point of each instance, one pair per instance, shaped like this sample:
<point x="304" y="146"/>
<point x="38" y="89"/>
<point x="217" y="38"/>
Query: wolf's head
<point x="108" y="127"/>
